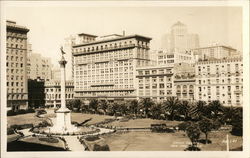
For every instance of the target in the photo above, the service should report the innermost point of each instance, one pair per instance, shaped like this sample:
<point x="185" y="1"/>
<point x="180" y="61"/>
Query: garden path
<point x="26" y="132"/>
<point x="74" y="144"/>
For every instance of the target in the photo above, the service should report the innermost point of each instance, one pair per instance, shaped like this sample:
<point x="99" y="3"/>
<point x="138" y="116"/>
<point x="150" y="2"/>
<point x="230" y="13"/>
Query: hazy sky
<point x="49" y="26"/>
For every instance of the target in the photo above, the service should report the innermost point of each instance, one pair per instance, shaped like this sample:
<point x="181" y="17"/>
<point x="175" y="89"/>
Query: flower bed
<point x="49" y="139"/>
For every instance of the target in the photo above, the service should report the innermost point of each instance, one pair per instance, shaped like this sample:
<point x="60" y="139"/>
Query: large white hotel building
<point x="106" y="68"/>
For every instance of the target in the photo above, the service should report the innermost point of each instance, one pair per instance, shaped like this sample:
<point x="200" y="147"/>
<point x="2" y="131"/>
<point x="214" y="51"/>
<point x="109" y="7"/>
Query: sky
<point x="49" y="26"/>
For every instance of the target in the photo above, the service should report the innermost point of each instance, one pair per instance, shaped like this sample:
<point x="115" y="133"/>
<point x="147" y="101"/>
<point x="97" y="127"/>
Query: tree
<point x="237" y="122"/>
<point x="146" y="104"/>
<point x="74" y="104"/>
<point x="123" y="108"/>
<point x="93" y="105"/>
<point x="134" y="107"/>
<point x="156" y="111"/>
<point x="228" y="113"/>
<point x="103" y="106"/>
<point x="171" y="106"/>
<point x="206" y="126"/>
<point x="193" y="133"/>
<point x="113" y="108"/>
<point x="184" y="109"/>
<point x="84" y="107"/>
<point x="215" y="109"/>
<point x="199" y="110"/>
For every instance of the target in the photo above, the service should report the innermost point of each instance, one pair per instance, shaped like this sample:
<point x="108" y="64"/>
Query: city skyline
<point x="100" y="21"/>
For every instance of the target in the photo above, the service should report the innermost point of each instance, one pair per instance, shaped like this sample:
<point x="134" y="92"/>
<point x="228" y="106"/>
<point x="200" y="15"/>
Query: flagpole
<point x="227" y="143"/>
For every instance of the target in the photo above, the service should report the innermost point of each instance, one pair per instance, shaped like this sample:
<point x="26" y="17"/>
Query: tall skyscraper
<point x="16" y="63"/>
<point x="179" y="40"/>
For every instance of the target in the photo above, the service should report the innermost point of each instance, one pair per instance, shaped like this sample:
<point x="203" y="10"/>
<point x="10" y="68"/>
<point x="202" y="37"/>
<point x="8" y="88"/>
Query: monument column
<point x="62" y="63"/>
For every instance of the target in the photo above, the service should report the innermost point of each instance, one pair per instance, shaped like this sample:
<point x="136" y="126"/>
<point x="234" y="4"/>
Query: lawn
<point x="142" y="123"/>
<point x="31" y="118"/>
<point x="23" y="119"/>
<point x="147" y="141"/>
<point x="80" y="117"/>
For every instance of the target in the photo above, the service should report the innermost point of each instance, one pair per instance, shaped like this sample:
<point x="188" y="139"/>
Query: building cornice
<point x="114" y="39"/>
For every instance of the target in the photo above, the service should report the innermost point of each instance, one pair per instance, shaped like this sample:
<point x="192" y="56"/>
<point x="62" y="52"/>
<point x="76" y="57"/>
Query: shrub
<point x="92" y="138"/>
<point x="22" y="111"/>
<point x="101" y="147"/>
<point x="11" y="113"/>
<point x="183" y="126"/>
<point x="30" y="110"/>
<point x="20" y="127"/>
<point x="10" y="131"/>
<point x="41" y="111"/>
<point x="44" y="124"/>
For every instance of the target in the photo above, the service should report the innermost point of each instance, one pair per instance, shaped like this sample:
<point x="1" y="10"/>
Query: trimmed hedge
<point x="49" y="139"/>
<point x="22" y="111"/>
<point x="101" y="147"/>
<point x="20" y="127"/>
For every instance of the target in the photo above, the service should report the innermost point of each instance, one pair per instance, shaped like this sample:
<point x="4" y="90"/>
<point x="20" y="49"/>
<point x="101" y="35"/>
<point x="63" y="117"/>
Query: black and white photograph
<point x="142" y="76"/>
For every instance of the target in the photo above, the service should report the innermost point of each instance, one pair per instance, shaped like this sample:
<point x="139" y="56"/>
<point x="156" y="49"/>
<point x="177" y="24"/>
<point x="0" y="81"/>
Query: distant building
<point x="39" y="67"/>
<point x="16" y="64"/>
<point x="220" y="79"/>
<point x="179" y="40"/>
<point x="155" y="82"/>
<point x="167" y="58"/>
<point x="215" y="52"/>
<point x="184" y="81"/>
<point x="106" y="68"/>
<point x="36" y="93"/>
<point x="56" y="74"/>
<point x="53" y="92"/>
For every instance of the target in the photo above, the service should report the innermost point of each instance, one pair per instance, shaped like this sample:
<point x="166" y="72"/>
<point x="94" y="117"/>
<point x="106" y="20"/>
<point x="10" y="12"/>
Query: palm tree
<point x="228" y="113"/>
<point x="215" y="109"/>
<point x="184" y="109"/>
<point x="156" y="111"/>
<point x="171" y="106"/>
<point x="84" y="107"/>
<point x="103" y="105"/>
<point x="134" y="107"/>
<point x="113" y="108"/>
<point x="123" y="108"/>
<point x="146" y="104"/>
<point x="199" y="110"/>
<point x="93" y="105"/>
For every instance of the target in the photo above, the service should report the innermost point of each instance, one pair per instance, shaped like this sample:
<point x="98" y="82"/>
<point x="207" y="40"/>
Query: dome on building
<point x="178" y="23"/>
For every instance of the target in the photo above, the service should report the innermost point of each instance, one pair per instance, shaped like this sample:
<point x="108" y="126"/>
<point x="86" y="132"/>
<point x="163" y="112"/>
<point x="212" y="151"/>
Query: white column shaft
<point x="63" y="103"/>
